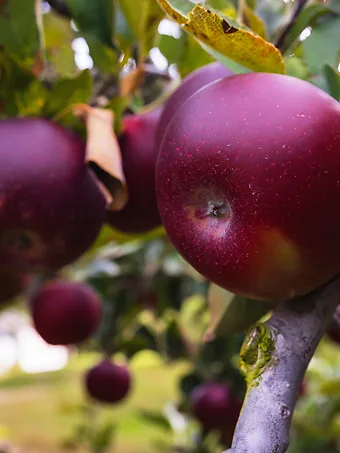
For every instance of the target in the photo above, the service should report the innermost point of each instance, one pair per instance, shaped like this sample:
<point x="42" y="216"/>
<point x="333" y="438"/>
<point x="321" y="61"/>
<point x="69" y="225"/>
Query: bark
<point x="274" y="358"/>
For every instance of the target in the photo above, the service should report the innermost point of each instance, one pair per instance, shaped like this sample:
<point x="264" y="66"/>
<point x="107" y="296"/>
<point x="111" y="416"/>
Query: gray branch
<point x="274" y="359"/>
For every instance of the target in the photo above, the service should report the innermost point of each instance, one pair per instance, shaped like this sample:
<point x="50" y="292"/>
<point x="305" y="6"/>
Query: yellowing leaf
<point x="102" y="149"/>
<point x="240" y="45"/>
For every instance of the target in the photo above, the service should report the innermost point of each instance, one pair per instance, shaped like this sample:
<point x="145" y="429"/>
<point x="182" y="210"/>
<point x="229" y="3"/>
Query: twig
<point x="60" y="7"/>
<point x="274" y="358"/>
<point x="281" y="39"/>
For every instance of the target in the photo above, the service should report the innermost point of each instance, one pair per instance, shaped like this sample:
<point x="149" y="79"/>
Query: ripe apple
<point x="51" y="207"/>
<point x="248" y="185"/>
<point x="139" y="155"/>
<point x="215" y="406"/>
<point x="189" y="85"/>
<point x="66" y="313"/>
<point x="108" y="382"/>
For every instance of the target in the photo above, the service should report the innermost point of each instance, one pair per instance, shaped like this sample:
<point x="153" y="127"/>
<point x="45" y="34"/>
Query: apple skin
<point x="248" y="185"/>
<point x="139" y="156"/>
<point x="108" y="382"/>
<point x="66" y="313"/>
<point x="189" y="85"/>
<point x="215" y="406"/>
<point x="51" y="207"/>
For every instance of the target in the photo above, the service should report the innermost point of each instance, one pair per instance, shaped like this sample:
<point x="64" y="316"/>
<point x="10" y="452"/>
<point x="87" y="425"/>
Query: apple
<point x="248" y="185"/>
<point x="108" y="382"/>
<point x="139" y="155"/>
<point x="51" y="207"/>
<point x="66" y="313"/>
<point x="215" y="407"/>
<point x="189" y="85"/>
<point x="303" y="390"/>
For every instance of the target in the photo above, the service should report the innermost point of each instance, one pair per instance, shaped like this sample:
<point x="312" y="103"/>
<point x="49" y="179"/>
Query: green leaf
<point x="154" y="418"/>
<point x="231" y="314"/>
<point x="224" y="37"/>
<point x="58" y="36"/>
<point x="104" y="57"/>
<point x="69" y="91"/>
<point x="323" y="45"/>
<point x="19" y="30"/>
<point x="333" y="81"/>
<point x="193" y="56"/>
<point x="143" y="17"/>
<point x="296" y="67"/>
<point x="21" y="94"/>
<point x="95" y="18"/>
<point x="307" y="18"/>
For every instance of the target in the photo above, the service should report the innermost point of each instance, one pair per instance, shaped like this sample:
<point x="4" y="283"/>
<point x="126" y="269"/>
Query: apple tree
<point x="170" y="181"/>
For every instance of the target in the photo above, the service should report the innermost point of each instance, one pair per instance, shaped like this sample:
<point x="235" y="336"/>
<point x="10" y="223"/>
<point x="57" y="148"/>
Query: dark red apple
<point x="66" y="313"/>
<point x="303" y="390"/>
<point x="215" y="406"/>
<point x="248" y="185"/>
<point x="51" y="208"/>
<point x="139" y="155"/>
<point x="189" y="85"/>
<point x="108" y="382"/>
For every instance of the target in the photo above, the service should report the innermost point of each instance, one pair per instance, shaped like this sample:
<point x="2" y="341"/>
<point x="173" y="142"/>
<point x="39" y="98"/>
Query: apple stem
<point x="274" y="358"/>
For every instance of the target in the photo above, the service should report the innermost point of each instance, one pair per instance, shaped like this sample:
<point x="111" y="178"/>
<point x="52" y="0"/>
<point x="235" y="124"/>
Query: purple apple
<point x="248" y="185"/>
<point x="108" y="382"/>
<point x="51" y="207"/>
<point x="66" y="313"/>
<point x="139" y="155"/>
<point x="189" y="85"/>
<point x="215" y="406"/>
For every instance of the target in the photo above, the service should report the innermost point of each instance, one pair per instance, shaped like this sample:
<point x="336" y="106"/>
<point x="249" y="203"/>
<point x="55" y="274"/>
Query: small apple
<point x="189" y="85"/>
<point x="66" y="313"/>
<point x="51" y="207"/>
<point x="108" y="382"/>
<point x="139" y="155"/>
<point x="303" y="390"/>
<point x="248" y="185"/>
<point x="215" y="406"/>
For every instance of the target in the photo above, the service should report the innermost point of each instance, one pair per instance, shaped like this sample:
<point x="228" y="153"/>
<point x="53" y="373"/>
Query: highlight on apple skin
<point x="66" y="313"/>
<point x="51" y="206"/>
<point x="248" y="185"/>
<point x="139" y="155"/>
<point x="189" y="85"/>
<point x="108" y="382"/>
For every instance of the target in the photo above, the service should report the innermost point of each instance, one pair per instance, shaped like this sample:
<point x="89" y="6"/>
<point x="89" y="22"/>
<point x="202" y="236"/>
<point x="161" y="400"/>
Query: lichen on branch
<point x="274" y="359"/>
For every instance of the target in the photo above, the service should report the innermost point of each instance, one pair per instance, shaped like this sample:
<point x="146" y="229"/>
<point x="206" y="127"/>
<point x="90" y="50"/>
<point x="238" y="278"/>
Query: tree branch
<point x="281" y="40"/>
<point x="274" y="358"/>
